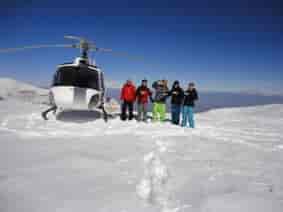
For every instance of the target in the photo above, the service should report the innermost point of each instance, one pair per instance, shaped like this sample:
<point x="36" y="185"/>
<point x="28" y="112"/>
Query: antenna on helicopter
<point x="84" y="45"/>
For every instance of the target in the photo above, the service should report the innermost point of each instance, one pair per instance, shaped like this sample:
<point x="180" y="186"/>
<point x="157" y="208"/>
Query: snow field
<point x="232" y="162"/>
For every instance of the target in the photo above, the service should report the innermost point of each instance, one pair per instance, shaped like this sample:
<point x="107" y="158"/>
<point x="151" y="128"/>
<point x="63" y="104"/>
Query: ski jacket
<point x="161" y="92"/>
<point x="190" y="96"/>
<point x="142" y="94"/>
<point x="177" y="95"/>
<point x="128" y="93"/>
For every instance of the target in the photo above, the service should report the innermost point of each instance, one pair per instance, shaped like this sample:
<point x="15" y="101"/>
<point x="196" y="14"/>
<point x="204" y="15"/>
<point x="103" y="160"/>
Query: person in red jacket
<point x="128" y="97"/>
<point x="143" y="94"/>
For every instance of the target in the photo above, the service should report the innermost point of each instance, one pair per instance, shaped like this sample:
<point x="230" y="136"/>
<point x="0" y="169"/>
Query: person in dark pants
<point x="128" y="97"/>
<point x="190" y="96"/>
<point x="143" y="94"/>
<point x="177" y="96"/>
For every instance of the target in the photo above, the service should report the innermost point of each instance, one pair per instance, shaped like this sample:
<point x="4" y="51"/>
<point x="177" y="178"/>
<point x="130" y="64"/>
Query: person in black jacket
<point x="177" y="95"/>
<point x="190" y="96"/>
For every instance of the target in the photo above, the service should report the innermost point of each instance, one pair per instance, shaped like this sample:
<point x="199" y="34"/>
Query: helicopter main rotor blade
<point x="38" y="47"/>
<point x="73" y="37"/>
<point x="104" y="50"/>
<point x="121" y="54"/>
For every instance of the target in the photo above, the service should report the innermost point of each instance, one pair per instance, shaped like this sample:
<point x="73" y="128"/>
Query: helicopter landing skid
<point x="44" y="113"/>
<point x="105" y="115"/>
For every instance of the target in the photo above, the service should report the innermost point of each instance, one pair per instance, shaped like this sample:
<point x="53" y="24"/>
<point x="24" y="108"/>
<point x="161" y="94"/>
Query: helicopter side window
<point x="54" y="82"/>
<point x="102" y="81"/>
<point x="56" y="78"/>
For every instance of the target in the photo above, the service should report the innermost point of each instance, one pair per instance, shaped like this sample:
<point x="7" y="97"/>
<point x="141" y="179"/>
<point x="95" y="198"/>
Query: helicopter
<point x="78" y="85"/>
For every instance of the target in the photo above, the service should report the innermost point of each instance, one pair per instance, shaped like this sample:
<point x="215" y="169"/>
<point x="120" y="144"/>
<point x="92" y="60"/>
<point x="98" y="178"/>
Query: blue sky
<point x="220" y="46"/>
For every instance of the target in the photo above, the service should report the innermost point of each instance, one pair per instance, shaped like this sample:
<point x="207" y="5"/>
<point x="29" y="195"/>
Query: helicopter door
<point x="102" y="87"/>
<point x="101" y="81"/>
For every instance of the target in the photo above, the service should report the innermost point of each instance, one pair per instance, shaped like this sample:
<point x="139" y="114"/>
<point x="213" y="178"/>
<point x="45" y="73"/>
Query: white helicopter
<point x="78" y="85"/>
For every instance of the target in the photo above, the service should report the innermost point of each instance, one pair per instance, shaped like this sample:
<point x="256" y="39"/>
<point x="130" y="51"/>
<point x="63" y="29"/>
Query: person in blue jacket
<point x="190" y="96"/>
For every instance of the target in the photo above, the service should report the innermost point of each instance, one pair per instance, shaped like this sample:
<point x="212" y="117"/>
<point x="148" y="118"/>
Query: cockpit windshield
<point x="82" y="77"/>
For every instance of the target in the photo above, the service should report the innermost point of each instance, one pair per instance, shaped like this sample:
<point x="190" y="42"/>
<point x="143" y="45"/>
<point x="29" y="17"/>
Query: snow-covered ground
<point x="10" y="88"/>
<point x="231" y="162"/>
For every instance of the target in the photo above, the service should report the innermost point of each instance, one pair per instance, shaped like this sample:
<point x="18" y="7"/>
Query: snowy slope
<point x="231" y="162"/>
<point x="11" y="87"/>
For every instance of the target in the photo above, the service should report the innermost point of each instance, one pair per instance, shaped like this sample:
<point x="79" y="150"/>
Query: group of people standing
<point x="182" y="101"/>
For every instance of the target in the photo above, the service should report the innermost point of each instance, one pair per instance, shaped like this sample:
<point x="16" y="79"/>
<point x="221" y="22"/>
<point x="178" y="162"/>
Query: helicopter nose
<point x="79" y="96"/>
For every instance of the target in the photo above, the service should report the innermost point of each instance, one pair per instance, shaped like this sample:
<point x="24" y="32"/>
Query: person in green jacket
<point x="159" y="100"/>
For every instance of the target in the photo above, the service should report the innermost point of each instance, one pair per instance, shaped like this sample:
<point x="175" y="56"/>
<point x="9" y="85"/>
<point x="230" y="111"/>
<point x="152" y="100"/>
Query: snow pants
<point x="188" y="115"/>
<point x="175" y="113"/>
<point x="159" y="111"/>
<point x="142" y="111"/>
<point x="127" y="106"/>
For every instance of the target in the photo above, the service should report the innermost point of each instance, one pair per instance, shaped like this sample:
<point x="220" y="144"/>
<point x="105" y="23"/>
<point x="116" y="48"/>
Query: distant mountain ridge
<point x="211" y="100"/>
<point x="11" y="87"/>
<point x="208" y="99"/>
